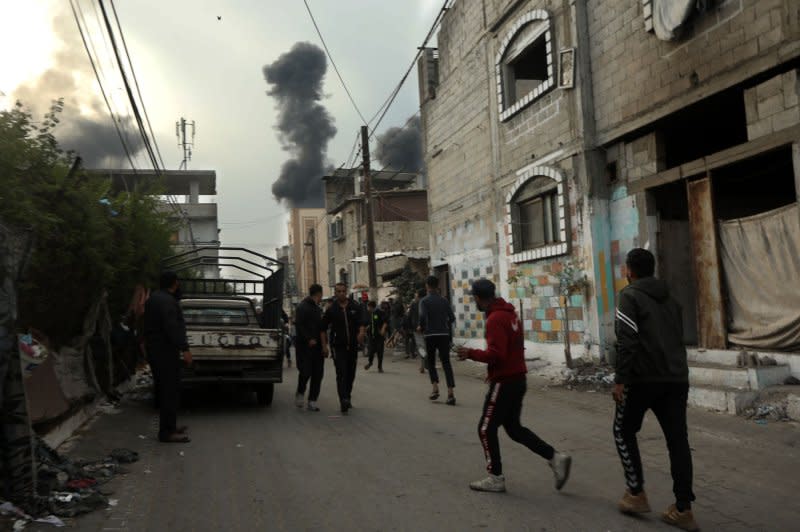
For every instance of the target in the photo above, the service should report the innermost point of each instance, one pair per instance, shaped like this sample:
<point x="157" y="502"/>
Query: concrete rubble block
<point x="793" y="407"/>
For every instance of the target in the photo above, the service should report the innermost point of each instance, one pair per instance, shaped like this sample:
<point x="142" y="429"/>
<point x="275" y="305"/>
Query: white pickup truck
<point x="229" y="345"/>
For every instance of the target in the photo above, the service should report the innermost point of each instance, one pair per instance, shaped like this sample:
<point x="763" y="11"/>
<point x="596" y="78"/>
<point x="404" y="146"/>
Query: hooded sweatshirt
<point x="649" y="331"/>
<point x="505" y="344"/>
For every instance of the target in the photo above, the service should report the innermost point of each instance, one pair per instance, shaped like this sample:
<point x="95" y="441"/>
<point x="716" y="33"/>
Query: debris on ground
<point x="767" y="412"/>
<point x="22" y="518"/>
<point x="586" y="375"/>
<point x="72" y="487"/>
<point x="142" y="389"/>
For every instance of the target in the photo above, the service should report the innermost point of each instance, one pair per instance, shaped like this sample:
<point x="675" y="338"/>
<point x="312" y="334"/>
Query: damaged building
<point x="558" y="135"/>
<point x="400" y="220"/>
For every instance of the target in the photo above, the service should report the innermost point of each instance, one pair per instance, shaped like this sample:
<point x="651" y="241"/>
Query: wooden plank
<point x="711" y="324"/>
<point x="718" y="159"/>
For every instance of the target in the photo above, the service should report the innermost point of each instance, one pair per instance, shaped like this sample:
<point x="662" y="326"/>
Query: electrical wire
<point x="136" y="83"/>
<point x="335" y="68"/>
<point x="393" y="95"/>
<point x="102" y="89"/>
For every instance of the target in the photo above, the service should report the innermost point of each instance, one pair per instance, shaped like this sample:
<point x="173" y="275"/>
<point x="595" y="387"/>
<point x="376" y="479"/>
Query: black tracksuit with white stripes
<point x="651" y="364"/>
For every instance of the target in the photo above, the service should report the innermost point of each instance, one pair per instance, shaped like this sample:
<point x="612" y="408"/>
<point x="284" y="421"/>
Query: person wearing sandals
<point x="507" y="376"/>
<point x="436" y="320"/>
<point x="165" y="338"/>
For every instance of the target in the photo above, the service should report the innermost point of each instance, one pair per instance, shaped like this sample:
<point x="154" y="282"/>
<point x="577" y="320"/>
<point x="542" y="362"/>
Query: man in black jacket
<point x="436" y="323"/>
<point x="165" y="338"/>
<point x="651" y="374"/>
<point x="348" y="327"/>
<point x="308" y="348"/>
<point x="376" y="333"/>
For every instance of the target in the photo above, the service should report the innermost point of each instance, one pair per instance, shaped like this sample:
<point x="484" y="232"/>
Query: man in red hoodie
<point x="505" y="357"/>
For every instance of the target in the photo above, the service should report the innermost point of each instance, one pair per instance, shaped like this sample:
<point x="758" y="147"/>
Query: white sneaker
<point x="299" y="400"/>
<point x="495" y="483"/>
<point x="312" y="407"/>
<point x="560" y="464"/>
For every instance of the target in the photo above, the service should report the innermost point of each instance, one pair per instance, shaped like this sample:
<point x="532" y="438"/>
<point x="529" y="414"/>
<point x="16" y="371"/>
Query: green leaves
<point x="80" y="248"/>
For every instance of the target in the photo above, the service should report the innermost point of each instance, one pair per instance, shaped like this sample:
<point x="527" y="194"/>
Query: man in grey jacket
<point x="651" y="374"/>
<point x="436" y="320"/>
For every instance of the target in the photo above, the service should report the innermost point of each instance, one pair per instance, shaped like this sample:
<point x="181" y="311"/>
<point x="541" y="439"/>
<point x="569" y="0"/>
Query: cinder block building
<point x="560" y="134"/>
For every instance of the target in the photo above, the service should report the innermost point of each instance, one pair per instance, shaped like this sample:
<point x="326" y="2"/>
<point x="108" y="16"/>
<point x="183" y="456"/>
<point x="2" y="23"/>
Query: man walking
<point x="652" y="374"/>
<point x="376" y="333"/>
<point x="505" y="357"/>
<point x="435" y="323"/>
<point x="308" y="348"/>
<point x="346" y="320"/>
<point x="165" y="338"/>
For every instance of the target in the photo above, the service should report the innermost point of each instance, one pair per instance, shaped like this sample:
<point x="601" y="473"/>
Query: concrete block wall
<point x="773" y="105"/>
<point x="638" y="78"/>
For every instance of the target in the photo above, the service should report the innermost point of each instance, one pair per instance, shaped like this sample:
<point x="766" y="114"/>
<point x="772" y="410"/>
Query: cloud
<point x="305" y="126"/>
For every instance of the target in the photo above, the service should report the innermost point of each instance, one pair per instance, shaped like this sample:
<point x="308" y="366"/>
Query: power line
<point x="102" y="89"/>
<point x="335" y="68"/>
<point x="136" y="83"/>
<point x="390" y="100"/>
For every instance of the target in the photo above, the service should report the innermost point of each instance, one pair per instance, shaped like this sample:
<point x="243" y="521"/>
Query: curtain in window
<point x="761" y="264"/>
<point x="669" y="16"/>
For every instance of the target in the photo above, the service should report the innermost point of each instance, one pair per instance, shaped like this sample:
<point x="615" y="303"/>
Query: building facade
<point x="308" y="240"/>
<point x="400" y="221"/>
<point x="559" y="135"/>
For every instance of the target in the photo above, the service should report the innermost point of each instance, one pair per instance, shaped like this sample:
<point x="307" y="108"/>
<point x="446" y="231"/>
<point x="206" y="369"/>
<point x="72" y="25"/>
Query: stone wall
<point x="772" y="105"/>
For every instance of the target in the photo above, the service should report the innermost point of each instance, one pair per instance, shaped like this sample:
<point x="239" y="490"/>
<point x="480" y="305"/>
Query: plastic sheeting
<point x="761" y="265"/>
<point x="669" y="16"/>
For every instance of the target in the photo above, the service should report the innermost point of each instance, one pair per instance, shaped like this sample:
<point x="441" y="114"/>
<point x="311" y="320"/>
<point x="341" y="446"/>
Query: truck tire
<point x="265" y="392"/>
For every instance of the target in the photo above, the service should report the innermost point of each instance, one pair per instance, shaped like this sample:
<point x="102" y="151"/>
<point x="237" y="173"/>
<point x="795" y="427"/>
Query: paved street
<point x="398" y="462"/>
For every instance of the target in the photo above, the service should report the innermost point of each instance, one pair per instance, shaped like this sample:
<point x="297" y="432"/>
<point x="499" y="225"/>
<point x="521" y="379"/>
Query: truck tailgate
<point x="234" y="344"/>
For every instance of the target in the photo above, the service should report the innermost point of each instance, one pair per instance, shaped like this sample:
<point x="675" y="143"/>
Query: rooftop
<point x="177" y="182"/>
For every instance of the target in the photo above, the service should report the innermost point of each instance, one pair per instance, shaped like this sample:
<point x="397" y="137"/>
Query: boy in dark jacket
<point x="651" y="374"/>
<point x="505" y="357"/>
<point x="308" y="347"/>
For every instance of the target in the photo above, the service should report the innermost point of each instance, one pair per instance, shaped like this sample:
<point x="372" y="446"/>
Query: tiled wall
<point x="469" y="320"/>
<point x="537" y="293"/>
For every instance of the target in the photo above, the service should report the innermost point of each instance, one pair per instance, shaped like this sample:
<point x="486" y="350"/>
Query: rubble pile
<point x="767" y="412"/>
<point x="588" y="375"/>
<point x="142" y="389"/>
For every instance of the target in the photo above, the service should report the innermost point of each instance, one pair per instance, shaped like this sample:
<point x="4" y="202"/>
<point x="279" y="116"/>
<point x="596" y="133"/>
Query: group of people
<point x="651" y="370"/>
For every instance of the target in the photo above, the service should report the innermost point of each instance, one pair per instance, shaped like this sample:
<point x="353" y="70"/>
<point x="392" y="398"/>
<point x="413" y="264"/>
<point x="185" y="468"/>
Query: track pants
<point x="442" y="345"/>
<point x="311" y="367"/>
<point x="376" y="347"/>
<point x="345" y="361"/>
<point x="668" y="403"/>
<point x="503" y="407"/>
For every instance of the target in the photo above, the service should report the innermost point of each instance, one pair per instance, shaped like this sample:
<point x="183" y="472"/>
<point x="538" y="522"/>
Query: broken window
<point x="525" y="63"/>
<point x="535" y="215"/>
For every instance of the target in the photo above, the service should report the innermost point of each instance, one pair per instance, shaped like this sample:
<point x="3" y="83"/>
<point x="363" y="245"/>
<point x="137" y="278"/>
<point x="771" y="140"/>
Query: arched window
<point x="524" y="64"/>
<point x="536" y="216"/>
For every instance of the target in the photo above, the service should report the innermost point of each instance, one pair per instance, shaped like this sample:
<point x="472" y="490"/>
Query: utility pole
<point x="373" y="272"/>
<point x="183" y="142"/>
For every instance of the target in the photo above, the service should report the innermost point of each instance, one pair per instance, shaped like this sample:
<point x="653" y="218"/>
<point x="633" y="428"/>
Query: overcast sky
<point x="191" y="64"/>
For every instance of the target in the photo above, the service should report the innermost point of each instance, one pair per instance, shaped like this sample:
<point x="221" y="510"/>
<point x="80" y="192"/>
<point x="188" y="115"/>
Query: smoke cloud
<point x="85" y="125"/>
<point x="400" y="148"/>
<point x="305" y="127"/>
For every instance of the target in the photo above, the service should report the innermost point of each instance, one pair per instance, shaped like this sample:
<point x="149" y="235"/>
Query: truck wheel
<point x="265" y="393"/>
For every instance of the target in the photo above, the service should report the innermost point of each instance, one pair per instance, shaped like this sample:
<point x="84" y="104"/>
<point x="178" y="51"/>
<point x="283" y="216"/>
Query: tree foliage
<point x="87" y="238"/>
<point x="407" y="283"/>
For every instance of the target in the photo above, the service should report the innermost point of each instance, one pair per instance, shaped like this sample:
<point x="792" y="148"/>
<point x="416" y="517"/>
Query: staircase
<point x="718" y="383"/>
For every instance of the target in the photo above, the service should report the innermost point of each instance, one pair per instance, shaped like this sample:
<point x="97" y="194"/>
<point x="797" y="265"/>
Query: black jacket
<point x="164" y="328"/>
<point x="649" y="332"/>
<point x="344" y="324"/>
<point x="436" y="316"/>
<point x="375" y="320"/>
<point x="308" y="322"/>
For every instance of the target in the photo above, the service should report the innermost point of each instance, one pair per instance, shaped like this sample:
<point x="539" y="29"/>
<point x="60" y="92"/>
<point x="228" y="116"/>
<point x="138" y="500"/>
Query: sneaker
<point x="299" y="400"/>
<point x="494" y="483"/>
<point x="434" y="396"/>
<point x="344" y="408"/>
<point x="312" y="407"/>
<point x="560" y="464"/>
<point x="380" y="369"/>
<point x="683" y="520"/>
<point x="451" y="400"/>
<point x="634" y="504"/>
<point x="366" y="367"/>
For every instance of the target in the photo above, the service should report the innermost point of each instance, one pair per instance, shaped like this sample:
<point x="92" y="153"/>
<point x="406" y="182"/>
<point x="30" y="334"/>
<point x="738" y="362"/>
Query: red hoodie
<point x="505" y="349"/>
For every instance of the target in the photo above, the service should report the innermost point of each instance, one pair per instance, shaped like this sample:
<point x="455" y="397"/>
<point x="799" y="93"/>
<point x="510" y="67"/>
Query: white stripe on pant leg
<point x="487" y="417"/>
<point x="627" y="464"/>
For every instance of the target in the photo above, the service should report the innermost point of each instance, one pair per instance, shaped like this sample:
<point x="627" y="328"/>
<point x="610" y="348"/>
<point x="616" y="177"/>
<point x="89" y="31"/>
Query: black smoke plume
<point x="85" y="125"/>
<point x="304" y="125"/>
<point x="400" y="148"/>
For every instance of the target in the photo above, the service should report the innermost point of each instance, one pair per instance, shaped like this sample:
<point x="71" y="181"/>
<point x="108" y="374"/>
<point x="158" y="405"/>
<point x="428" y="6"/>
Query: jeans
<point x="376" y="346"/>
<point x="311" y="367"/>
<point x="442" y="345"/>
<point x="345" y="360"/>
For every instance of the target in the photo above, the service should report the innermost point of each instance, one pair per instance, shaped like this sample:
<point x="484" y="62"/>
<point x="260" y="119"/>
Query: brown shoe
<point x="683" y="520"/>
<point x="634" y="504"/>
